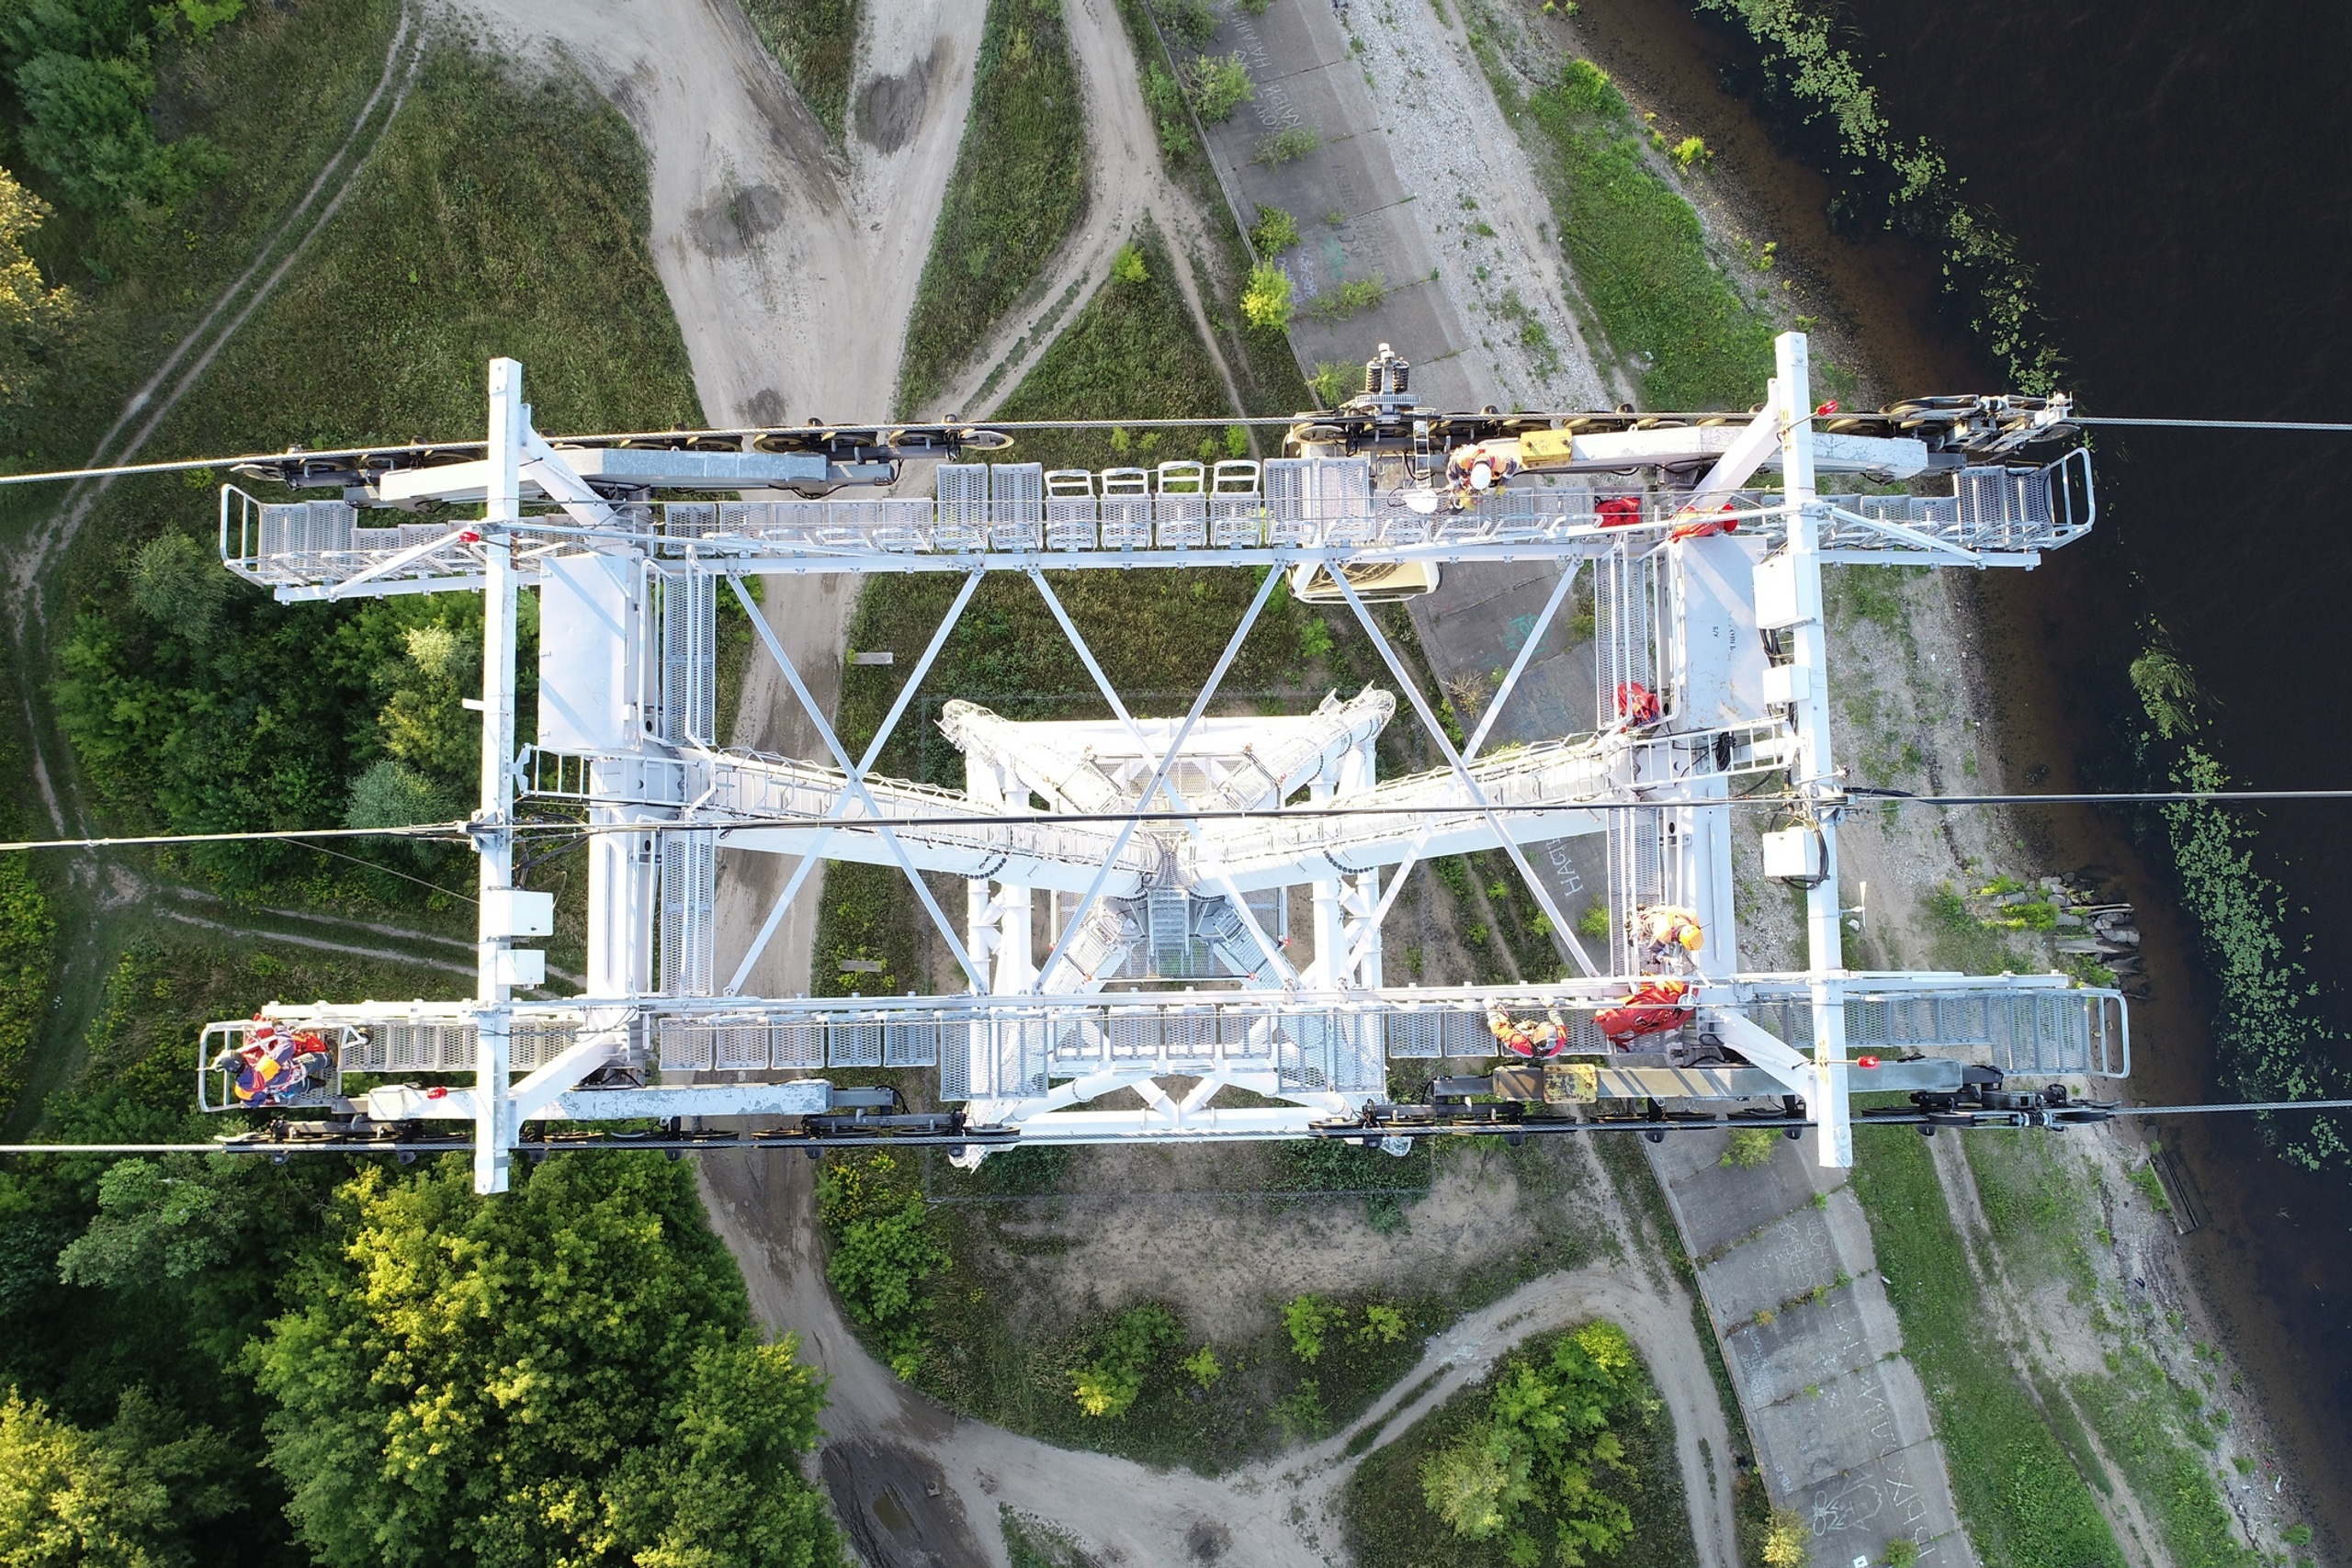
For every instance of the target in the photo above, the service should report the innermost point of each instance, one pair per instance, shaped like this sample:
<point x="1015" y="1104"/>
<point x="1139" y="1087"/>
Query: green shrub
<point x="1203" y="1367"/>
<point x="1190" y="22"/>
<point x="1287" y="145"/>
<point x="1128" y="265"/>
<point x="1344" y="299"/>
<point x="1122" y="1354"/>
<point x="1274" y="232"/>
<point x="882" y="1250"/>
<point x="1750" y="1146"/>
<point x="1594" y="922"/>
<point x="1315" y="638"/>
<point x="28" y="961"/>
<point x="1383" y="1325"/>
<point x="1307" y="1317"/>
<point x="1688" y="151"/>
<point x="1218" y="85"/>
<point x="1266" y="302"/>
<point x="1300" y="1416"/>
<point x="1786" y="1536"/>
<point x="1331" y="383"/>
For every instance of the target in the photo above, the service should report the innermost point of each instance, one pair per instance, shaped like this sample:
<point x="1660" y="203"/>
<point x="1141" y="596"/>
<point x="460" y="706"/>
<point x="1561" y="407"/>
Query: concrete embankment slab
<point x="1787" y="1259"/>
<point x="1298" y="63"/>
<point x="1810" y="1343"/>
<point x="1842" y="1430"/>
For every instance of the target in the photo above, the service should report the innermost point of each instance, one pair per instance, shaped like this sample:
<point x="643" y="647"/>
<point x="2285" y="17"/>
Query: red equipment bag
<point x="1653" y="1009"/>
<point x="1636" y="703"/>
<point x="1620" y="512"/>
<point x="1700" y="527"/>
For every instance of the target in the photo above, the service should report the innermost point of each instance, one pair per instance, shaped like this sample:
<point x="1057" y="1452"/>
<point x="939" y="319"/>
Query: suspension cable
<point x="461" y="832"/>
<point x="193" y="465"/>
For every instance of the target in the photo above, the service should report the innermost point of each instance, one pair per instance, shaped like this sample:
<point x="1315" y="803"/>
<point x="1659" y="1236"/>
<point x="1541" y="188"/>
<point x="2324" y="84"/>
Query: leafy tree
<point x="1123" y="1353"/>
<point x="882" y="1250"/>
<point x="1538" y="1457"/>
<point x="84" y="70"/>
<point x="120" y="1497"/>
<point x="1786" y="1536"/>
<point x="160" y="1220"/>
<point x="33" y="316"/>
<point x="563" y="1374"/>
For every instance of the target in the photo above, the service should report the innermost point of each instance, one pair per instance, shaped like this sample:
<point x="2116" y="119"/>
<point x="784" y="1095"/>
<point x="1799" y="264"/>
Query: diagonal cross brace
<point x="855" y="783"/>
<point x="1273" y="954"/>
<point x="808" y="862"/>
<point x="1167" y="764"/>
<point x="1560" y="928"/>
<point x="1469" y="754"/>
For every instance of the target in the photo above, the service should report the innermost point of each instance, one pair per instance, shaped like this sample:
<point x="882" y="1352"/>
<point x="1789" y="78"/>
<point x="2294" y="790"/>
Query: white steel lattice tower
<point x="1136" y="932"/>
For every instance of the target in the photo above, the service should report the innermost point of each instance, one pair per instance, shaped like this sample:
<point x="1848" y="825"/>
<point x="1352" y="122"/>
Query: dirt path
<point x="1283" y="1511"/>
<point x="1125" y="188"/>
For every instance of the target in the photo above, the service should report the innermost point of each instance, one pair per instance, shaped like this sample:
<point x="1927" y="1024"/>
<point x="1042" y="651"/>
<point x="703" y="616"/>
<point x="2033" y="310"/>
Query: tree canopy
<point x="567" y="1374"/>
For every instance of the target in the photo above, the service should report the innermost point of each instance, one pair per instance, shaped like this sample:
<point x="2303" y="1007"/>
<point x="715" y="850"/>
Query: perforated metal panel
<point x="689" y="879"/>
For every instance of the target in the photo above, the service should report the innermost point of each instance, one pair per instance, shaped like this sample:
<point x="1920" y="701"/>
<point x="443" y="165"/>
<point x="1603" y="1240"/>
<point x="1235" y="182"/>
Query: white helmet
<point x="1482" y="474"/>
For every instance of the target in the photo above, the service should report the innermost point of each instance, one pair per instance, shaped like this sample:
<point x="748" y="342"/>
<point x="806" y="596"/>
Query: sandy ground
<point x="1283" y="1511"/>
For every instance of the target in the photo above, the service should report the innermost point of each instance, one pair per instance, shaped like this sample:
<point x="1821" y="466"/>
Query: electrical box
<point x="522" y="966"/>
<point x="1784" y="685"/>
<point x="1785" y="596"/>
<point x="509" y="911"/>
<point x="1794" y="854"/>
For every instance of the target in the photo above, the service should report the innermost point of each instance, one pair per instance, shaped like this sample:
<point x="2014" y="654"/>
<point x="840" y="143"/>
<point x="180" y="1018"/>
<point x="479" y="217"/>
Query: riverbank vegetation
<point x="1821" y="100"/>
<point x="2019" y="1489"/>
<point x="1018" y="190"/>
<point x="1662" y="309"/>
<point x="2270" y="1042"/>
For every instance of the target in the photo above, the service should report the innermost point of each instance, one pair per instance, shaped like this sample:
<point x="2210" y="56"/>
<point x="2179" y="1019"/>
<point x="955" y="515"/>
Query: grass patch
<point x="1032" y="1543"/>
<point x="1388" y="1520"/>
<point x="2146" y="1424"/>
<point x="816" y="42"/>
<point x="195" y="702"/>
<point x="1637" y="247"/>
<point x="2024" y="1501"/>
<point x="1019" y="187"/>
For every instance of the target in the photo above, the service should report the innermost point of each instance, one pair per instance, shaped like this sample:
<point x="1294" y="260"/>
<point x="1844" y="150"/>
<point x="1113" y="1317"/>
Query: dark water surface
<point x="2181" y="175"/>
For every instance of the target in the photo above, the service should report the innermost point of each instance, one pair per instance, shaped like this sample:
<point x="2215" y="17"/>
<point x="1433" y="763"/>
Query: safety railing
<point x="1179" y="511"/>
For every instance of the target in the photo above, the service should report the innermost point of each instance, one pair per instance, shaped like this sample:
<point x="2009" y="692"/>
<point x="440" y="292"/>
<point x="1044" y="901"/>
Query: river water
<point x="2181" y="175"/>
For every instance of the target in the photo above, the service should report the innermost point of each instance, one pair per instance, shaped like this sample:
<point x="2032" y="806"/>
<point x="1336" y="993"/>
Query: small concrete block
<point x="1810" y="1345"/>
<point x="1789" y="1257"/>
<point x="1901" y="1495"/>
<point x="1855" y="1418"/>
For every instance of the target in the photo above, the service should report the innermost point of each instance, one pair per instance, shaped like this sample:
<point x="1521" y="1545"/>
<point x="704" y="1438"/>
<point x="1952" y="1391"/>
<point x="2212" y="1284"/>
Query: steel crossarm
<point x="1461" y="769"/>
<point x="1167" y="765"/>
<point x="1469" y="754"/>
<point x="855" y="783"/>
<point x="1273" y="954"/>
<point x="1905" y="534"/>
<point x="810" y="861"/>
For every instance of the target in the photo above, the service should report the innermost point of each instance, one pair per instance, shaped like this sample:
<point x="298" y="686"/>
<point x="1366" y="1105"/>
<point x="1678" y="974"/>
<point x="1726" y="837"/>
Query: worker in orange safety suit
<point x="271" y="1063"/>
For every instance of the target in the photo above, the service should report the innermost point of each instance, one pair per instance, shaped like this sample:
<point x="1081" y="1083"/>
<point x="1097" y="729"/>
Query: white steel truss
<point x="1169" y="848"/>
